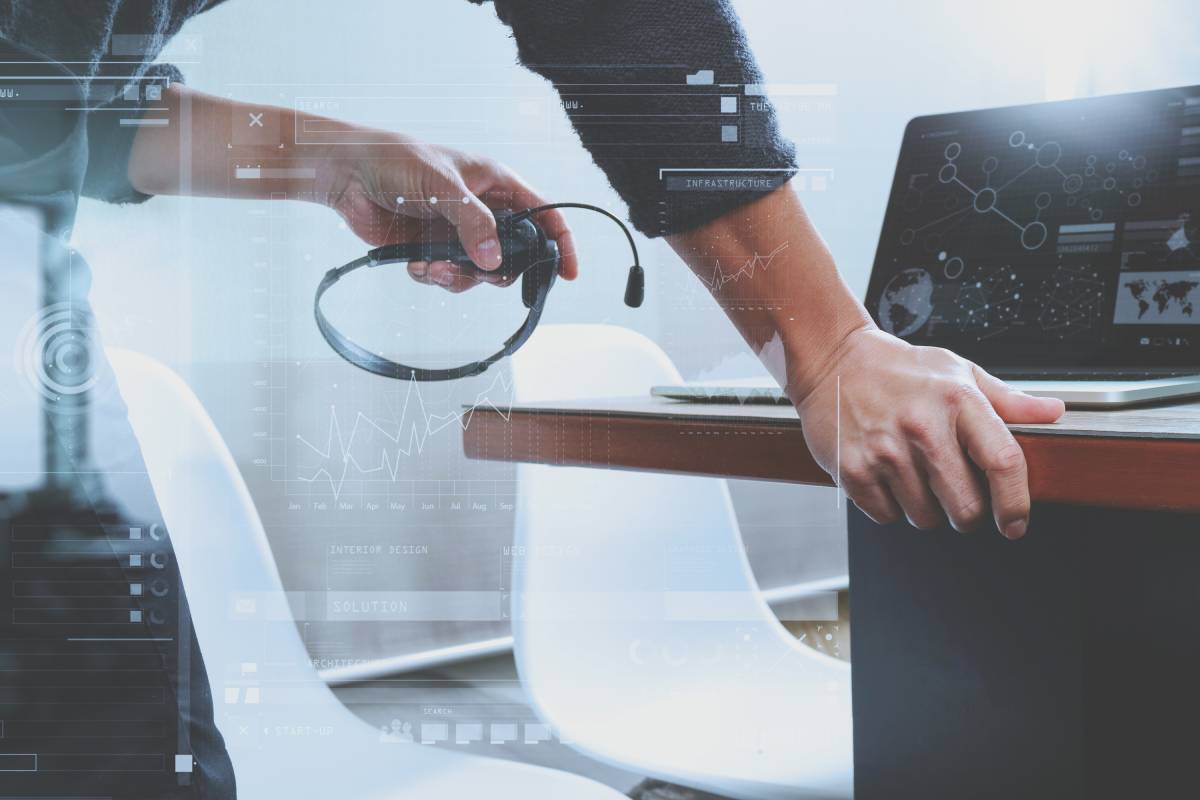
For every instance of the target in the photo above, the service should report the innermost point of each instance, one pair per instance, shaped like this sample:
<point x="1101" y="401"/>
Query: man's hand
<point x="406" y="190"/>
<point x="921" y="434"/>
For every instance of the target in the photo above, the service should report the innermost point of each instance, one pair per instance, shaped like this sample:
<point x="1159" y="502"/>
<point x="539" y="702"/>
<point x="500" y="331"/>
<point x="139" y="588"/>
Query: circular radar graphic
<point x="906" y="302"/>
<point x="989" y="302"/>
<point x="55" y="354"/>
<point x="1072" y="301"/>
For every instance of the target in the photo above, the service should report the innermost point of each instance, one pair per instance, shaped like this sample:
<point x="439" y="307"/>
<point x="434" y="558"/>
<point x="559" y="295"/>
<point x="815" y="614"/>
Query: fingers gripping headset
<point x="526" y="253"/>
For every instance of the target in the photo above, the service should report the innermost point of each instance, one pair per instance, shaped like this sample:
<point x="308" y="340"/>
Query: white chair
<point x="287" y="733"/>
<point x="639" y="629"/>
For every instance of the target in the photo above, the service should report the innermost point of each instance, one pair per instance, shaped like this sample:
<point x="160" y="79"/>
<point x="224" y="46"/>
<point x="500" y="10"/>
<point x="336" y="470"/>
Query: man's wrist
<point x="339" y="168"/>
<point x="334" y="173"/>
<point x="812" y="356"/>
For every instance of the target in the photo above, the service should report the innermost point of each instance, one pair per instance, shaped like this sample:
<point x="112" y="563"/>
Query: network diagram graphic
<point x="1072" y="301"/>
<point x="990" y="302"/>
<point x="986" y="199"/>
<point x="1100" y="185"/>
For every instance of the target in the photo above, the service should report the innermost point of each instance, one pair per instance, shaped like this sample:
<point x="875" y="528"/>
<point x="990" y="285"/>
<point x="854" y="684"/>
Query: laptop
<point x="1057" y="245"/>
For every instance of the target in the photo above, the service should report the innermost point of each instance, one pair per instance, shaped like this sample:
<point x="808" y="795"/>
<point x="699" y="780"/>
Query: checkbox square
<point x="135" y="615"/>
<point x="729" y="105"/>
<point x="135" y="559"/>
<point x="729" y="133"/>
<point x="135" y="589"/>
<point x="183" y="762"/>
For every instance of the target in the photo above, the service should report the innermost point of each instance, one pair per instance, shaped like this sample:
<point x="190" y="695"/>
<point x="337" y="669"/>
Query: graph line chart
<point x="404" y="436"/>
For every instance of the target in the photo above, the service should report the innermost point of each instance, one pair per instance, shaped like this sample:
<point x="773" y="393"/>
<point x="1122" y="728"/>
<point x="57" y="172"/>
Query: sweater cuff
<point x="110" y="136"/>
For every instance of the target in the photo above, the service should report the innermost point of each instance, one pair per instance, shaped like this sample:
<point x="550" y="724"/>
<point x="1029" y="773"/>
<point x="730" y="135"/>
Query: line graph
<point x="406" y="435"/>
<point x="749" y="267"/>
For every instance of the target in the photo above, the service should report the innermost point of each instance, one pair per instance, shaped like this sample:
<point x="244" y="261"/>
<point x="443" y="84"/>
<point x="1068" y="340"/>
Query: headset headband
<point x="526" y="252"/>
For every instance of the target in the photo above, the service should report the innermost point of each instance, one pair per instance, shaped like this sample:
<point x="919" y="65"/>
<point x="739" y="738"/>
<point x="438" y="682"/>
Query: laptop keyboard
<point x="1091" y="374"/>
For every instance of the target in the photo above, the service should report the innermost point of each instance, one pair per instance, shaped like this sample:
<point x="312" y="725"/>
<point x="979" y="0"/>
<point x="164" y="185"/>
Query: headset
<point x="526" y="253"/>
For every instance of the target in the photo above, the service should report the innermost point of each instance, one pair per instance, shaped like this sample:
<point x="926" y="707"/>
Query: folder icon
<point x="536" y="732"/>
<point x="503" y="732"/>
<point x="433" y="732"/>
<point x="467" y="732"/>
<point x="701" y="77"/>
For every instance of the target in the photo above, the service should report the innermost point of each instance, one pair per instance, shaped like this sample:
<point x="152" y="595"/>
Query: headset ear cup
<point x="529" y="288"/>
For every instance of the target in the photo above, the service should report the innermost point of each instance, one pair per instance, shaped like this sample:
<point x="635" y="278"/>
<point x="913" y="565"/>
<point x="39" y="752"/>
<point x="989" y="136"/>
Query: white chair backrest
<point x="287" y="734"/>
<point x="639" y="629"/>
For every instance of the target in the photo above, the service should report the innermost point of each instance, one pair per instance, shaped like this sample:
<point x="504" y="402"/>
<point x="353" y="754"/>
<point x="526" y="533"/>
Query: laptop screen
<point x="1061" y="234"/>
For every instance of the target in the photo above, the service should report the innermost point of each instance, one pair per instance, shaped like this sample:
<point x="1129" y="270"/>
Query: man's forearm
<point x="156" y="165"/>
<point x="795" y="310"/>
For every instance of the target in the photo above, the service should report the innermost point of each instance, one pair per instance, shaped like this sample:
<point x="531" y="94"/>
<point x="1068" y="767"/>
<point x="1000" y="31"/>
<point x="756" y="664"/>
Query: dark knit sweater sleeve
<point x="663" y="94"/>
<point x="110" y="143"/>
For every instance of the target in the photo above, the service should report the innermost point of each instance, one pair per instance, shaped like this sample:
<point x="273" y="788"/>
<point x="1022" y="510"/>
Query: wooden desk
<point x="1065" y="665"/>
<point x="1146" y="458"/>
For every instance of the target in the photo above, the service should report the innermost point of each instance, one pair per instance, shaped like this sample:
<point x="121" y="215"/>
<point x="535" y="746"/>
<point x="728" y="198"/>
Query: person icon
<point x="399" y="732"/>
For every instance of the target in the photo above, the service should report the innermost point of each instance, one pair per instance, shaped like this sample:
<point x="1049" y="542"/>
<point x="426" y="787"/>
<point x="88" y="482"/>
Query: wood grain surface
<point x="1135" y="458"/>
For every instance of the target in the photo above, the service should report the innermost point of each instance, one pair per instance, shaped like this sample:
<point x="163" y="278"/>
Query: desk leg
<point x="1065" y="665"/>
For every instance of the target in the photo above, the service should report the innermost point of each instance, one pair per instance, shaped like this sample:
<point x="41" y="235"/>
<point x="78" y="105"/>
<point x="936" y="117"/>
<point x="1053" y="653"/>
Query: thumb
<point x="474" y="223"/>
<point x="1013" y="405"/>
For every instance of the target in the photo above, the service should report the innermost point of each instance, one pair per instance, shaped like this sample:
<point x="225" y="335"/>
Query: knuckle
<point x="854" y="476"/>
<point x="888" y="453"/>
<point x="969" y="513"/>
<point x="1007" y="459"/>
<point x="921" y="431"/>
<point x="942" y="354"/>
<point x="960" y="393"/>
<point x="942" y="359"/>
